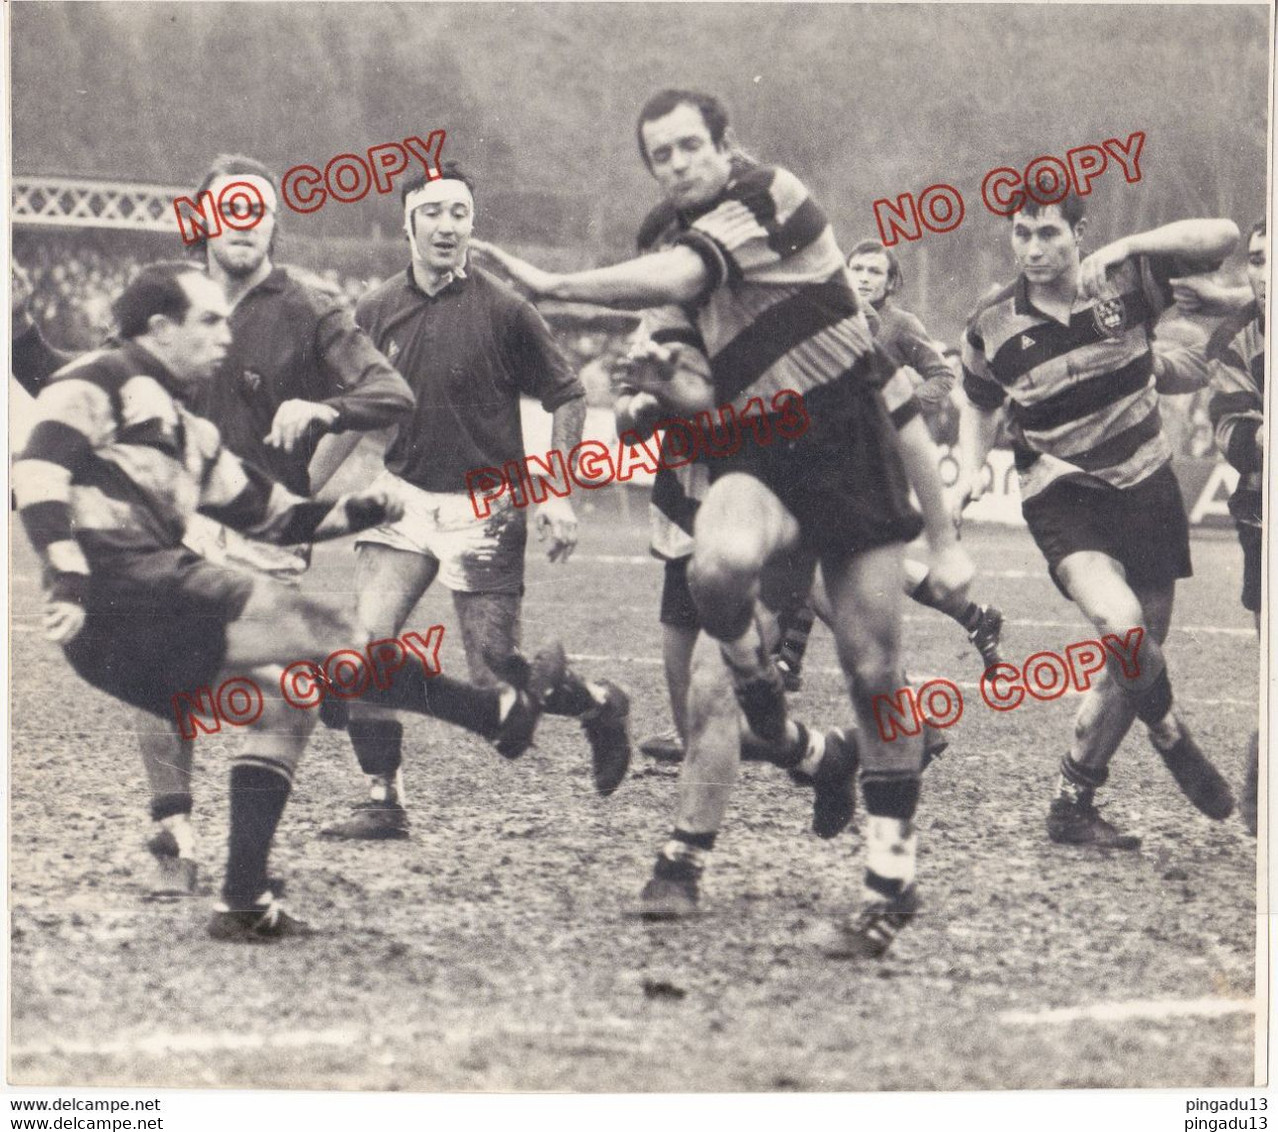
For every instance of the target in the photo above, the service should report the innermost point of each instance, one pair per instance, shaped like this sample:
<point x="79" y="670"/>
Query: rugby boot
<point x="264" y="920"/>
<point x="664" y="748"/>
<point x="869" y="933"/>
<point x="672" y="891"/>
<point x="534" y="682"/>
<point x="177" y="876"/>
<point x="988" y="634"/>
<point x="1247" y="801"/>
<point x="1198" y="780"/>
<point x="371" y="821"/>
<point x="833" y="784"/>
<point x="607" y="727"/>
<point x="1079" y="823"/>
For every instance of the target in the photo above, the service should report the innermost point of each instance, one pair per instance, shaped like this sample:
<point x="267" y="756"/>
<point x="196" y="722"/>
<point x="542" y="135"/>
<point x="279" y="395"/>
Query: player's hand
<point x="531" y="278"/>
<point x="294" y="419"/>
<point x="648" y="367"/>
<point x="63" y="620"/>
<point x="950" y="571"/>
<point x="1201" y="294"/>
<point x="556" y="518"/>
<point x="1093" y="277"/>
<point x="20" y="290"/>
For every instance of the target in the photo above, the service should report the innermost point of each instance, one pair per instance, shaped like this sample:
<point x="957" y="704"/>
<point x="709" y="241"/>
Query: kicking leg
<point x="983" y="623"/>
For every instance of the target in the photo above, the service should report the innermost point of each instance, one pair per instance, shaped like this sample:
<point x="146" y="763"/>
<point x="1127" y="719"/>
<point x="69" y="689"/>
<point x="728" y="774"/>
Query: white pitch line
<point x="1156" y="1009"/>
<point x="157" y="1045"/>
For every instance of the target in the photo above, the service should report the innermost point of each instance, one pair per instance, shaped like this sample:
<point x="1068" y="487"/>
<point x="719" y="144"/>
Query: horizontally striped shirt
<point x="1081" y="398"/>
<point x="1236" y="363"/>
<point x="115" y="465"/>
<point x="777" y="311"/>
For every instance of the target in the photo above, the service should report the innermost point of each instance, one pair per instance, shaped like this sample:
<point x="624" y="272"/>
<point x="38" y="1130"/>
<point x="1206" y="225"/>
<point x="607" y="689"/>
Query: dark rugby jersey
<point x="1081" y="398"/>
<point x="468" y="353"/>
<point x="777" y="312"/>
<point x="116" y="464"/>
<point x="1236" y="362"/>
<point x="906" y="342"/>
<point x="290" y="341"/>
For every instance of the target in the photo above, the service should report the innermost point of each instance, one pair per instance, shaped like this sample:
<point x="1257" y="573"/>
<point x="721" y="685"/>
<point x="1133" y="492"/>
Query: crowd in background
<point x="75" y="278"/>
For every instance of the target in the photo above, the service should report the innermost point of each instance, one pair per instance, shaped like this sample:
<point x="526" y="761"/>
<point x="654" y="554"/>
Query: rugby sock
<point x="476" y="709"/>
<point x="172" y="813"/>
<point x="757" y="684"/>
<point x="1079" y="783"/>
<point x="968" y="615"/>
<point x="388" y="788"/>
<point x="890" y="841"/>
<point x="1154" y="710"/>
<point x="379" y="746"/>
<point x="260" y="788"/>
<point x="684" y="852"/>
<point x="794" y="639"/>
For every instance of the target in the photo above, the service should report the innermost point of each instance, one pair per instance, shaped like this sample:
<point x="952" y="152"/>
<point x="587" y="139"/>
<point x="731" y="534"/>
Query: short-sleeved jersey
<point x="289" y="342"/>
<point x="116" y="465"/>
<point x="467" y="352"/>
<point x="1236" y="363"/>
<point x="1081" y="398"/>
<point x="777" y="311"/>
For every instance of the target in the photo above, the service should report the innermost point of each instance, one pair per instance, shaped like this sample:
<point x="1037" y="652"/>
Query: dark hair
<point x="153" y="290"/>
<point x="873" y="247"/>
<point x="448" y="171"/>
<point x="1073" y="208"/>
<point x="713" y="113"/>
<point x="233" y="165"/>
<point x="1257" y="229"/>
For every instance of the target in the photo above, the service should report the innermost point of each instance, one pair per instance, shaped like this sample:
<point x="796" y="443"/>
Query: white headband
<point x="417" y="198"/>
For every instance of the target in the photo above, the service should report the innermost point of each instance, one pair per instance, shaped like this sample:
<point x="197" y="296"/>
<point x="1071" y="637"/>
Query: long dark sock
<point x="378" y="743"/>
<point x="1079" y="783"/>
<point x="967" y="614"/>
<point x="891" y="844"/>
<point x="794" y="638"/>
<point x="259" y="791"/>
<point x="476" y="709"/>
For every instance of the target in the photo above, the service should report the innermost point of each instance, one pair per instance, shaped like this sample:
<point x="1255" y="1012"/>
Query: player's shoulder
<point x="659" y="227"/>
<point x="107" y="367"/>
<point x="498" y="295"/>
<point x="385" y="293"/>
<point x="754" y="181"/>
<point x="310" y="292"/>
<point x="995" y="298"/>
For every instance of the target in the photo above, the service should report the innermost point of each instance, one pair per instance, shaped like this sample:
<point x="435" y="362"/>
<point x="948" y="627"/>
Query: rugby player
<point x="875" y="275"/>
<point x="1236" y="363"/>
<point x="1065" y="350"/>
<point x="114" y="467"/>
<point x="756" y="262"/>
<point x="297" y="369"/>
<point x="468" y="347"/>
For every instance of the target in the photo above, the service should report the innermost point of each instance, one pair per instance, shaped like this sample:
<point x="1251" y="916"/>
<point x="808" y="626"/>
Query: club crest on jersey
<point x="392" y="350"/>
<point x="252" y="381"/>
<point x="1110" y="316"/>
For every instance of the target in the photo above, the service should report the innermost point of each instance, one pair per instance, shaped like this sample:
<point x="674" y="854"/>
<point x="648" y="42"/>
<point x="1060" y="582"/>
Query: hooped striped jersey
<point x="115" y="464"/>
<point x="1236" y="363"/>
<point x="1081" y="398"/>
<point x="777" y="311"/>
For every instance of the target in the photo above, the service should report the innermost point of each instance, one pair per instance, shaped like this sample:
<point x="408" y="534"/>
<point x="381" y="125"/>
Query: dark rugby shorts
<point x="156" y="626"/>
<point x="678" y="610"/>
<point x="1142" y="527"/>
<point x="843" y="479"/>
<point x="1252" y="539"/>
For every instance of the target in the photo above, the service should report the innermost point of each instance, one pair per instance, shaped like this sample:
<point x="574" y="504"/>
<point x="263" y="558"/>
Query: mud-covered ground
<point x="492" y="951"/>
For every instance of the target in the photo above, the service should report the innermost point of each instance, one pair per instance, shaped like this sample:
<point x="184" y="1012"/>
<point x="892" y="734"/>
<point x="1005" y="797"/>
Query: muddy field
<point x="492" y="951"/>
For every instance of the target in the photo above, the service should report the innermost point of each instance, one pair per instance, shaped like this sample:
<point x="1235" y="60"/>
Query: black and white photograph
<point x="647" y="548"/>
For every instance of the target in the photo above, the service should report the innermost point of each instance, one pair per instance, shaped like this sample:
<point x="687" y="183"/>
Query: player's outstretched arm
<point x="978" y="428"/>
<point x="1201" y="240"/>
<point x="676" y="275"/>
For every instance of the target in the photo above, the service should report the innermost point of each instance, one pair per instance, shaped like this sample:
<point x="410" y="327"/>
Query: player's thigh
<point x="866" y="601"/>
<point x="1098" y="585"/>
<point x="740" y="525"/>
<point x="489" y="628"/>
<point x="281" y="730"/>
<point x="389" y="583"/>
